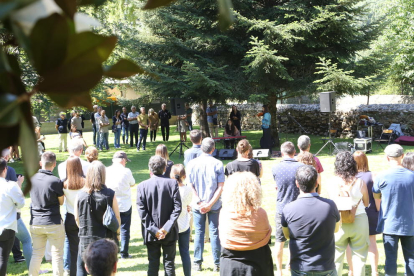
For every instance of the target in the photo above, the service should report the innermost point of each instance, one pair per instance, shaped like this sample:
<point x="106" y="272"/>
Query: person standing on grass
<point x="284" y="174"/>
<point x="45" y="220"/>
<point x="133" y="126"/>
<point x="97" y="115"/>
<point x="154" y="121"/>
<point x="90" y="206"/>
<point x="143" y="130"/>
<point x="117" y="127"/>
<point x="62" y="128"/>
<point x="75" y="149"/>
<point x="354" y="234"/>
<point x="312" y="248"/>
<point x="11" y="199"/>
<point x="189" y="116"/>
<point x="395" y="188"/>
<point x="73" y="183"/>
<point x="243" y="163"/>
<point x="77" y="121"/>
<point x="372" y="212"/>
<point x="103" y="131"/>
<point x="212" y="119"/>
<point x="244" y="228"/>
<point x="162" y="151"/>
<point x="125" y="125"/>
<point x="94" y="132"/>
<point x="206" y="175"/>
<point x="304" y="145"/>
<point x="159" y="206"/>
<point x="119" y="179"/>
<point x="165" y="117"/>
<point x="186" y="193"/>
<point x="195" y="151"/>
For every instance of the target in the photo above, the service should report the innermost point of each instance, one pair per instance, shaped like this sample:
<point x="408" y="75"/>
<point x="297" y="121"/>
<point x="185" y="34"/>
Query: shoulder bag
<point x="348" y="216"/>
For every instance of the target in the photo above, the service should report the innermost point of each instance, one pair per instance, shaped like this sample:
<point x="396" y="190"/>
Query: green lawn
<point x="139" y="166"/>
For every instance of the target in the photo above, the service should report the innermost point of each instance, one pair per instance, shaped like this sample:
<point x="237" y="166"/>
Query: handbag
<point x="109" y="219"/>
<point x="345" y="206"/>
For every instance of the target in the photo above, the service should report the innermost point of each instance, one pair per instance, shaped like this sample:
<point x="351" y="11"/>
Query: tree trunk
<point x="205" y="131"/>
<point x="368" y="98"/>
<point x="273" y="122"/>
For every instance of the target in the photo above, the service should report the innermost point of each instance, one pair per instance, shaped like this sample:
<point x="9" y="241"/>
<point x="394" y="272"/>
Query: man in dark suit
<point x="159" y="205"/>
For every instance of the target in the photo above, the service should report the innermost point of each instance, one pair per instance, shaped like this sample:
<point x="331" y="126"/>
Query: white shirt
<point x="133" y="115"/>
<point x="11" y="199"/>
<point x="120" y="179"/>
<point x="62" y="168"/>
<point x="70" y="196"/>
<point x="183" y="220"/>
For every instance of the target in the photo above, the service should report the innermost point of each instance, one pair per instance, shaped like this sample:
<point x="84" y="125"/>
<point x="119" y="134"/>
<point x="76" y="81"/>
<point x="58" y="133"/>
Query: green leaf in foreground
<point x="9" y="113"/>
<point x="123" y="69"/>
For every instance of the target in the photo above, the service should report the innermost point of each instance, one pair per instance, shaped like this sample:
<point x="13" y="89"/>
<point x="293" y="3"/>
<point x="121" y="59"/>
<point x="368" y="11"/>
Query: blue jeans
<point x="125" y="134"/>
<point x="66" y="254"/>
<point x="391" y="253"/>
<point x="184" y="247"/>
<point x="24" y="236"/>
<point x="142" y="138"/>
<point x="125" y="231"/>
<point x="98" y="137"/>
<point x="314" y="273"/>
<point x="103" y="136"/>
<point x="117" y="139"/>
<point x="199" y="226"/>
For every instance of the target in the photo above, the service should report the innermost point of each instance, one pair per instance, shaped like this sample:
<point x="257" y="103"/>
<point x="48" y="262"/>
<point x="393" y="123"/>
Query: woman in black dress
<point x="90" y="207"/>
<point x="230" y="130"/>
<point x="162" y="151"/>
<point x="372" y="213"/>
<point x="235" y="117"/>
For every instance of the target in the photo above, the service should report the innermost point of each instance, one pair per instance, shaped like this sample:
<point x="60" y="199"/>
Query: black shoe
<point x="197" y="267"/>
<point x="126" y="257"/>
<point x="22" y="259"/>
<point x="216" y="268"/>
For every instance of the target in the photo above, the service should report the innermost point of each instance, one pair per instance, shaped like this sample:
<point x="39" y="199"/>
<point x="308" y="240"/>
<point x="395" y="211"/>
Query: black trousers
<point x="133" y="130"/>
<point x="153" y="134"/>
<point x="17" y="252"/>
<point x="154" y="254"/>
<point x="6" y="244"/>
<point x="165" y="132"/>
<point x="72" y="232"/>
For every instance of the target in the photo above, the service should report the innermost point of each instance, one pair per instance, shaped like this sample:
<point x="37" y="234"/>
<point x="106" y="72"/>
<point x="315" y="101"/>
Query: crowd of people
<point x="204" y="196"/>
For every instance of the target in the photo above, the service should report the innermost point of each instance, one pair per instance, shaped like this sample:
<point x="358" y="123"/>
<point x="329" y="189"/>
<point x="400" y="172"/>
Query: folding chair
<point x="387" y="136"/>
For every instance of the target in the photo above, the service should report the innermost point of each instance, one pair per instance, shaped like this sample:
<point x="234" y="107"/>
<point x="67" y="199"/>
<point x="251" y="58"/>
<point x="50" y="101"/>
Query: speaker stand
<point x="329" y="141"/>
<point x="180" y="145"/>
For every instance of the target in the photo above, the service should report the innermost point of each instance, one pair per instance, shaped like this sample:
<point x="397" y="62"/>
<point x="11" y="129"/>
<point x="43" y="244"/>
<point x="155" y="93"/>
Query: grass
<point x="139" y="166"/>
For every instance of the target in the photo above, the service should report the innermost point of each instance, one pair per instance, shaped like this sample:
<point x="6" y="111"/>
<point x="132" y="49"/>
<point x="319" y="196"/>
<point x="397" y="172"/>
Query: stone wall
<point x="345" y="120"/>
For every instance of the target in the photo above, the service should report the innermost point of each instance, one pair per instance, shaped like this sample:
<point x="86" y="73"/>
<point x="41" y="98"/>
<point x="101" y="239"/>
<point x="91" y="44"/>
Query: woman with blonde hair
<point x="243" y="163"/>
<point x="154" y="121"/>
<point x="90" y="206"/>
<point x="162" y="151"/>
<point x="186" y="193"/>
<point x="73" y="183"/>
<point x="307" y="158"/>
<point x="244" y="228"/>
<point x="356" y="233"/>
<point x="372" y="212"/>
<point x="91" y="154"/>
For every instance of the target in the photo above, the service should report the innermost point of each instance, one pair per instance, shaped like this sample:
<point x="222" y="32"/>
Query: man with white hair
<point x="395" y="188"/>
<point x="206" y="175"/>
<point x="133" y="126"/>
<point x="97" y="116"/>
<point x="95" y="109"/>
<point x="75" y="149"/>
<point x="120" y="179"/>
<point x="304" y="144"/>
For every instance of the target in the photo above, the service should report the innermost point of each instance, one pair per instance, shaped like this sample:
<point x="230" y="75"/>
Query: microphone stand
<point x="300" y="126"/>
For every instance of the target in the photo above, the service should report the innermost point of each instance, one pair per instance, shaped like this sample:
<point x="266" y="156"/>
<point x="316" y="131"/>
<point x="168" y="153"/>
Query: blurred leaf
<point x="28" y="144"/>
<point x="123" y="69"/>
<point x="8" y="6"/>
<point x="81" y="70"/>
<point x="153" y="4"/>
<point x="10" y="81"/>
<point x="9" y="113"/>
<point x="69" y="100"/>
<point x="68" y="6"/>
<point x="9" y="136"/>
<point x="95" y="3"/>
<point x="49" y="39"/>
<point x="226" y="15"/>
